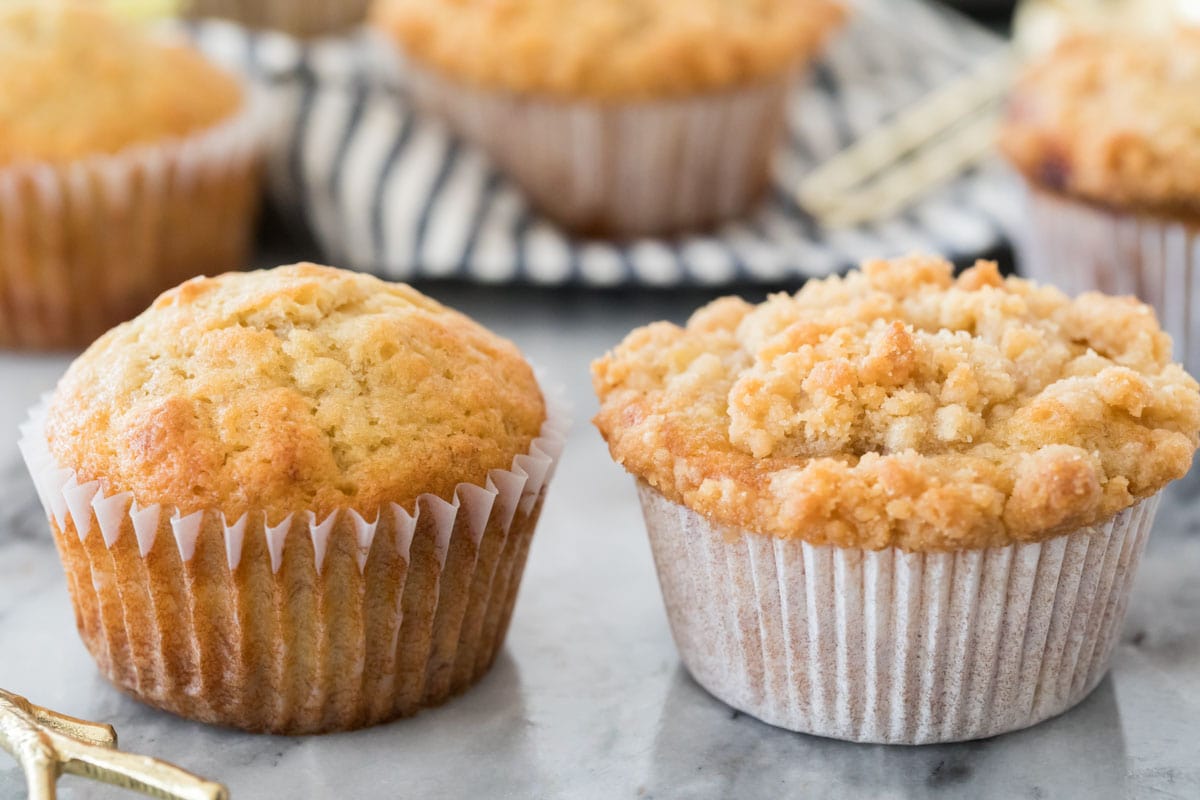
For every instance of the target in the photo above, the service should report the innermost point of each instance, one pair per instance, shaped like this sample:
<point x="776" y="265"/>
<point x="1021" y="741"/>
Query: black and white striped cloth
<point x="387" y="190"/>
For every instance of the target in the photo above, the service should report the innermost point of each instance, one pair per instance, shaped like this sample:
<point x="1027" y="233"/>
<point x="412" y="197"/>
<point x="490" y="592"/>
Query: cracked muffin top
<point x="1113" y="120"/>
<point x="900" y="406"/>
<point x="77" y="81"/>
<point x="609" y="49"/>
<point x="297" y="388"/>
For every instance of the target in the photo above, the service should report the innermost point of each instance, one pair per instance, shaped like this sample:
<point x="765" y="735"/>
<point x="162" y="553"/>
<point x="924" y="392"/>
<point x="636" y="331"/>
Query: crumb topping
<point x="293" y="389"/>
<point x="75" y="81"/>
<point x="900" y="406"/>
<point x="610" y="49"/>
<point x="1113" y="120"/>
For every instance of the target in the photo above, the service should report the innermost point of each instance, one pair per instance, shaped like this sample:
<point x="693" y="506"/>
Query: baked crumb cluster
<point x="76" y="81"/>
<point x="901" y="406"/>
<point x="293" y="389"/>
<point x="1113" y="120"/>
<point x="610" y="49"/>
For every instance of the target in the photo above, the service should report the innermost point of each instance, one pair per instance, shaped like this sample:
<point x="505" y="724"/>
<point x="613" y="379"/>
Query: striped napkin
<point x="385" y="189"/>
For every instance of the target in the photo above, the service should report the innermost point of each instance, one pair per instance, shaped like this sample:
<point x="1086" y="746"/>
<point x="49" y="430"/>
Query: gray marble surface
<point x="589" y="700"/>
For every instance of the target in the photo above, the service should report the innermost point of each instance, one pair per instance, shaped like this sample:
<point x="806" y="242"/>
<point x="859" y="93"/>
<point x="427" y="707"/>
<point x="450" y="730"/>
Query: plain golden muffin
<point x="75" y="81"/>
<point x="297" y="388"/>
<point x="609" y="49"/>
<point x="902" y="407"/>
<point x="1113" y="120"/>
<point x="301" y="499"/>
<point x="128" y="163"/>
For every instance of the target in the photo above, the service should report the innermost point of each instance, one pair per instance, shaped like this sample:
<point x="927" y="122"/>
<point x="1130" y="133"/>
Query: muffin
<point x="900" y="507"/>
<point x="618" y="118"/>
<point x="297" y="500"/>
<point x="1106" y="132"/>
<point x="126" y="166"/>
<point x="304" y="18"/>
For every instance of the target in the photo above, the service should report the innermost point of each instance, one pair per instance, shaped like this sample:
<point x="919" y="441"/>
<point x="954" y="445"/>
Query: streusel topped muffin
<point x="76" y="81"/>
<point x="1113" y="119"/>
<point x="299" y="388"/>
<point x="616" y="49"/>
<point x="900" y="406"/>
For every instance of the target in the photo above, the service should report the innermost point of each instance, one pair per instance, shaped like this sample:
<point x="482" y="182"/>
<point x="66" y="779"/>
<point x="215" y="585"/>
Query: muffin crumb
<point x="901" y="406"/>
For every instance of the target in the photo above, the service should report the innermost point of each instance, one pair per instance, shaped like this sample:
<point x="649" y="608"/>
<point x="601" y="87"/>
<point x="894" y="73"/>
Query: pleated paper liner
<point x="88" y="244"/>
<point x="894" y="647"/>
<point x="301" y="625"/>
<point x="622" y="169"/>
<point x="1080" y="247"/>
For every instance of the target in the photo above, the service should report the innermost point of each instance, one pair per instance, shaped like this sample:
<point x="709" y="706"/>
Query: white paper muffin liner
<point x="86" y="244"/>
<point x="1080" y="247"/>
<point x="893" y="647"/>
<point x="622" y="169"/>
<point x="299" y="625"/>
<point x="298" y="17"/>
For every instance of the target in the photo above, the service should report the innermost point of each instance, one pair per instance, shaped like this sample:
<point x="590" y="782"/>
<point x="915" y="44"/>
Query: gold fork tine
<point x="94" y="733"/>
<point x="143" y="774"/>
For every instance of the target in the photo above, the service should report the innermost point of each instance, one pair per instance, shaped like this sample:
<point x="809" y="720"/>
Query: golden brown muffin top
<point x="291" y="389"/>
<point x="609" y="49"/>
<point x="899" y="406"/>
<point x="76" y="81"/>
<point x="1114" y="120"/>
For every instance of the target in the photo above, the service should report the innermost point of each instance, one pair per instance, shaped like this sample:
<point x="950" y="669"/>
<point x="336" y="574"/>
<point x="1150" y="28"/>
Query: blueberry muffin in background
<point x="1106" y="132"/>
<point x="899" y="506"/>
<point x="296" y="500"/>
<point x="126" y="166"/>
<point x="618" y="117"/>
<point x="304" y="18"/>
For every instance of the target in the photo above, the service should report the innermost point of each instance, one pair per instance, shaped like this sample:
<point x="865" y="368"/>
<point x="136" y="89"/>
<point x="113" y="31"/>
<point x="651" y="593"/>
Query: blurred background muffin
<point x="617" y="118"/>
<point x="126" y="166"/>
<point x="297" y="17"/>
<point x="1106" y="132"/>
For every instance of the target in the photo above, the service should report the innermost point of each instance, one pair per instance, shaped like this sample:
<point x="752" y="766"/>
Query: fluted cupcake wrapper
<point x="1080" y="247"/>
<point x="622" y="168"/>
<point x="300" y="625"/>
<point x="894" y="647"/>
<point x="297" y="17"/>
<point x="88" y="243"/>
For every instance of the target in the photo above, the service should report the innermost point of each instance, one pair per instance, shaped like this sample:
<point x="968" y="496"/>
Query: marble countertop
<point x="588" y="699"/>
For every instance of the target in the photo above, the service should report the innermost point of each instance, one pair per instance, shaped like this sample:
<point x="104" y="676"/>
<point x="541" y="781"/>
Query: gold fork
<point x="48" y="745"/>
